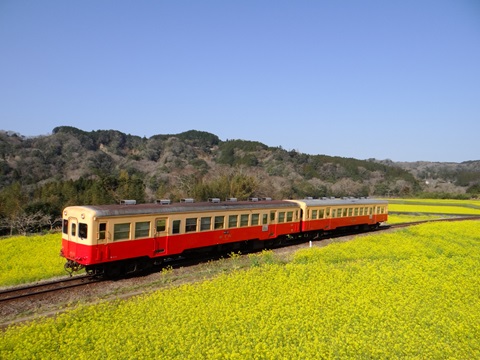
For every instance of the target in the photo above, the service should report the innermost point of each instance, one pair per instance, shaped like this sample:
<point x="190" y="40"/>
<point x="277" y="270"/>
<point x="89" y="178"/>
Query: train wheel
<point x="90" y="271"/>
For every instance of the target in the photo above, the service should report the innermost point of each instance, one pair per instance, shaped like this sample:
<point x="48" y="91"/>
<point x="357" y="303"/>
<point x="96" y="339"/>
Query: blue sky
<point x="380" y="79"/>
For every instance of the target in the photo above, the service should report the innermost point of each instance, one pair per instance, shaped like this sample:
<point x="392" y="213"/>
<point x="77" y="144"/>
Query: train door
<point x="328" y="217"/>
<point x="103" y="237"/>
<point x="265" y="222"/>
<point x="161" y="236"/>
<point x="71" y="250"/>
<point x="272" y="223"/>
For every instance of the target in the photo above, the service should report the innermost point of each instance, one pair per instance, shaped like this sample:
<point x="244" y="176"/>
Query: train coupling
<point x="72" y="266"/>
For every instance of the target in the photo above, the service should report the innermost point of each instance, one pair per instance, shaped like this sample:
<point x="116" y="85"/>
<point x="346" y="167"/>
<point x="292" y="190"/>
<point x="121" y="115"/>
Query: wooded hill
<point x="45" y="173"/>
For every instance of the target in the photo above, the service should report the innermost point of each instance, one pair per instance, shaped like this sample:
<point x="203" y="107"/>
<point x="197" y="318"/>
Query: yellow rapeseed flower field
<point x="413" y="293"/>
<point x="26" y="259"/>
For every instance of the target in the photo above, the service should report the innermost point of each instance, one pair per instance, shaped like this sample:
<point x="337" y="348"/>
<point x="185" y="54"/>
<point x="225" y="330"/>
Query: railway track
<point x="35" y="290"/>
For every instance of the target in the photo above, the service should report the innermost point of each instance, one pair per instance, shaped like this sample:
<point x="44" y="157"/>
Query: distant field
<point x="433" y="207"/>
<point x="411" y="293"/>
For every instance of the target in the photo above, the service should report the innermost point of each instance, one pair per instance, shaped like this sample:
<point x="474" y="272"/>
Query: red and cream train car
<point x="125" y="238"/>
<point x="329" y="214"/>
<point x="117" y="239"/>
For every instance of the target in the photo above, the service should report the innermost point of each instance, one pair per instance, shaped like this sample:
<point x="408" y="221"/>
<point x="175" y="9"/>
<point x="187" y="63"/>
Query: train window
<point x="176" y="226"/>
<point x="219" y="222"/>
<point x="334" y="213"/>
<point x="361" y="211"/>
<point x="321" y="214"/>
<point x="243" y="220"/>
<point x="355" y="211"/>
<point x="65" y="226"/>
<point x="121" y="231"/>
<point x="281" y="217"/>
<point x="74" y="229"/>
<point x="82" y="230"/>
<point x="350" y="212"/>
<point x="289" y="215"/>
<point x="142" y="229"/>
<point x="102" y="231"/>
<point x="264" y="219"/>
<point x="272" y="216"/>
<point x="255" y="219"/>
<point x="161" y="225"/>
<point x="190" y="224"/>
<point x="328" y="212"/>
<point x="339" y="212"/>
<point x="205" y="223"/>
<point x="232" y="221"/>
<point x="314" y="214"/>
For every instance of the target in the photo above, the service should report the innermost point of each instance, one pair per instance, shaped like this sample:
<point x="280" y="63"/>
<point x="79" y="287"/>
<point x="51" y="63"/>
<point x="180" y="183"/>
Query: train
<point x="120" y="239"/>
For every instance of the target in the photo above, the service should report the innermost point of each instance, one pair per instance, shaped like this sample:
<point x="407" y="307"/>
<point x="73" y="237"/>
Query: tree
<point x="130" y="187"/>
<point x="12" y="202"/>
<point x="27" y="223"/>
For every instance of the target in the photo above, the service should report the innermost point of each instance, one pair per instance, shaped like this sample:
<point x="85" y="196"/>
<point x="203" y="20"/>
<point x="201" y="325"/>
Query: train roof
<point x="187" y="207"/>
<point x="182" y="207"/>
<point x="341" y="201"/>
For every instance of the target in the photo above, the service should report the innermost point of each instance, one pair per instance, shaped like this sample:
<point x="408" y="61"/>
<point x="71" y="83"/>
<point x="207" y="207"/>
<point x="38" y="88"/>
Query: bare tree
<point x="24" y="223"/>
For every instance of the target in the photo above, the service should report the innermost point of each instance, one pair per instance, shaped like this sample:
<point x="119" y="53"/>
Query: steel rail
<point x="16" y="293"/>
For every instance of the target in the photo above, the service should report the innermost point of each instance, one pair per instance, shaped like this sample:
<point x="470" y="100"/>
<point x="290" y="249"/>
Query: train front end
<point x="77" y="238"/>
